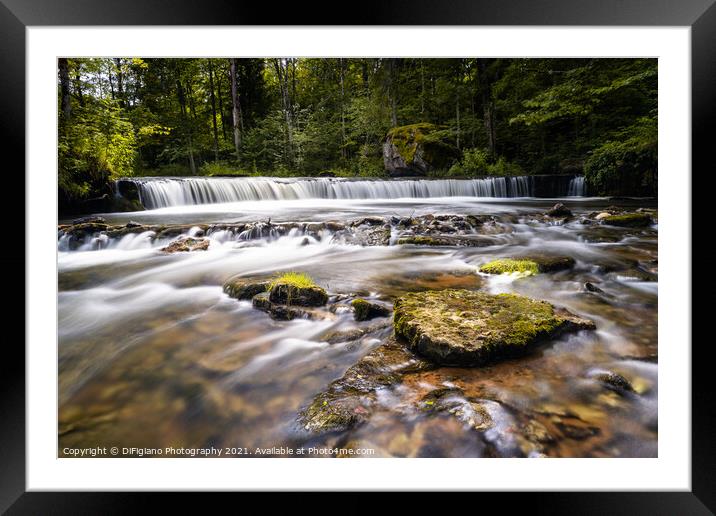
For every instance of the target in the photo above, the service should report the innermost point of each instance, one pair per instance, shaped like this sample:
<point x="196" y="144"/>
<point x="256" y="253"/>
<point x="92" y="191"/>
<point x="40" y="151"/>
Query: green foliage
<point x="475" y="163"/>
<point x="627" y="164"/>
<point x="98" y="144"/>
<point x="311" y="115"/>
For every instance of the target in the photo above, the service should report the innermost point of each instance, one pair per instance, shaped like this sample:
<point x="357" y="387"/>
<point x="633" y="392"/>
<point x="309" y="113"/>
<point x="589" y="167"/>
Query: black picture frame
<point x="16" y="15"/>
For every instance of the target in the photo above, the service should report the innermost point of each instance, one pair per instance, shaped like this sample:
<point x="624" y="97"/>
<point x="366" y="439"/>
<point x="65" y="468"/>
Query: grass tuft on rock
<point x="293" y="279"/>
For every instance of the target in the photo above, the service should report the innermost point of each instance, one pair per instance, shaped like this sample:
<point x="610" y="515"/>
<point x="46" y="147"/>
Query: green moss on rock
<point x="631" y="220"/>
<point x="509" y="265"/>
<point x="467" y="328"/>
<point x="364" y="310"/>
<point x="296" y="289"/>
<point x="528" y="265"/>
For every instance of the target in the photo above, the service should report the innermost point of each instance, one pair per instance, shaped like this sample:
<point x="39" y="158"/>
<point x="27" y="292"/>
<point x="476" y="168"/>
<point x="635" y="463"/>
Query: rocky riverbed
<point x="439" y="328"/>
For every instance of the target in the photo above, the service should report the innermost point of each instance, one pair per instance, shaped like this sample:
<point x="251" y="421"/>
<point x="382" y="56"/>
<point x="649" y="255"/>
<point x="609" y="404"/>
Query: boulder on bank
<point x="245" y="288"/>
<point x="467" y="328"/>
<point x="416" y="149"/>
<point x="365" y="310"/>
<point x="188" y="244"/>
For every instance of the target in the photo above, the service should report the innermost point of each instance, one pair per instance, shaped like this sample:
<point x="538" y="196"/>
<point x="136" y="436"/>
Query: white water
<point x="166" y="192"/>
<point x="576" y="187"/>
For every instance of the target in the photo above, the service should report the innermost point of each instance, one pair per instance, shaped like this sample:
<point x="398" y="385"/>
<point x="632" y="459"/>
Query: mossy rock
<point x="245" y="288"/>
<point x="510" y="266"/>
<point x="629" y="220"/>
<point x="416" y="149"/>
<point x="528" y="265"/>
<point x="284" y="312"/>
<point x="365" y="310"/>
<point x="289" y="294"/>
<point x="467" y="328"/>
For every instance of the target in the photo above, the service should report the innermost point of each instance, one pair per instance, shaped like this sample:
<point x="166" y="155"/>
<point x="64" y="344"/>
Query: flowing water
<point x="153" y="354"/>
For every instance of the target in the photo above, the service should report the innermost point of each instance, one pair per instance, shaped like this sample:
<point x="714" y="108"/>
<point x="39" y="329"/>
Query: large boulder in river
<point x="416" y="149"/>
<point x="467" y="328"/>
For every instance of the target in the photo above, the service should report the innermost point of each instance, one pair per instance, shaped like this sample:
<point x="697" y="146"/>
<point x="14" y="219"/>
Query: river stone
<point x="350" y="400"/>
<point x="467" y="328"/>
<point x="287" y="294"/>
<point x="245" y="288"/>
<point x="559" y="210"/>
<point x="284" y="312"/>
<point x="187" y="245"/>
<point x="629" y="220"/>
<point x="365" y="310"/>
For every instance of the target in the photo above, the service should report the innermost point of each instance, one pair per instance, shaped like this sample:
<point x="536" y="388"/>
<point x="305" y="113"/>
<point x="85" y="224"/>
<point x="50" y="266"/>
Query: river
<point x="153" y="353"/>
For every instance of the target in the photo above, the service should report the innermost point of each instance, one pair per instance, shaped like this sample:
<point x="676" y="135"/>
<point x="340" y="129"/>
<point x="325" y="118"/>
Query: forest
<point x="123" y="117"/>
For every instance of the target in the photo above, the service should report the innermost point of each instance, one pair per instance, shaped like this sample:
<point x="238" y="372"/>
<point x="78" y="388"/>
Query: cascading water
<point x="165" y="192"/>
<point x="576" y="187"/>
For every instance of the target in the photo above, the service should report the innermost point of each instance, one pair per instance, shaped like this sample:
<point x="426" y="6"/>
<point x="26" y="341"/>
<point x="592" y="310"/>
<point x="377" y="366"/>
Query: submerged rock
<point x="613" y="381"/>
<point x="187" y="244"/>
<point x="335" y="337"/>
<point x="630" y="220"/>
<point x="350" y="400"/>
<point x="591" y="287"/>
<point x="364" y="310"/>
<point x="245" y="288"/>
<point x="467" y="328"/>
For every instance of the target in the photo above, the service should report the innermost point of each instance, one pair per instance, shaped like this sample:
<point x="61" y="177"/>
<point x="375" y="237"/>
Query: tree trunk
<point x="236" y="110"/>
<point x="457" y="116"/>
<point x="221" y="105"/>
<point x="393" y="92"/>
<point x="343" y="114"/>
<point x="282" y="74"/>
<point x="78" y="87"/>
<point x="65" y="103"/>
<point x="422" y="88"/>
<point x="190" y="144"/>
<point x="213" y="111"/>
<point x="120" y="81"/>
<point x="488" y="106"/>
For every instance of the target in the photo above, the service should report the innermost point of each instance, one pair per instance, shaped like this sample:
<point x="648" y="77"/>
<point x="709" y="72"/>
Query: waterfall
<point x="576" y="187"/>
<point x="164" y="192"/>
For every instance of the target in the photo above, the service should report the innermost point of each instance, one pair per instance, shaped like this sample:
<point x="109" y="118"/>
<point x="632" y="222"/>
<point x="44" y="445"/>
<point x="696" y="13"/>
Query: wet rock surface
<point x="351" y="399"/>
<point x="365" y="310"/>
<point x="245" y="288"/>
<point x="460" y="327"/>
<point x="185" y="245"/>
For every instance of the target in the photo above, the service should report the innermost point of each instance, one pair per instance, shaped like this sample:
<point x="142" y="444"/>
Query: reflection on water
<point x="152" y="353"/>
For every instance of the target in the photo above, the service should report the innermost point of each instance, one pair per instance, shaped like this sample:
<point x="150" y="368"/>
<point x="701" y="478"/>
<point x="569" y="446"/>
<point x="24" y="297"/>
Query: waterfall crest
<point x="180" y="191"/>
